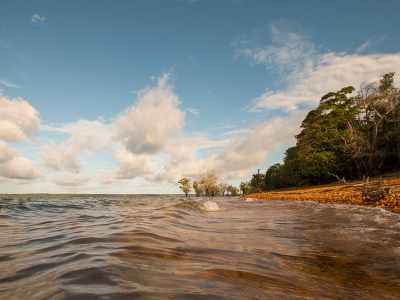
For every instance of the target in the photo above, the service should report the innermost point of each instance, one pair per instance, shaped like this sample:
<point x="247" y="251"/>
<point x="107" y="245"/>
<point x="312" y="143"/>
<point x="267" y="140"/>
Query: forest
<point x="349" y="135"/>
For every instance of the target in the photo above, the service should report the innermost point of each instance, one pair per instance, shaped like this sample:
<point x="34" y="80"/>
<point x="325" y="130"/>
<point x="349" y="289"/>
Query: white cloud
<point x="7" y="83"/>
<point x="132" y="165"/>
<point x="167" y="166"/>
<point x="181" y="149"/>
<point x="19" y="121"/>
<point x="19" y="168"/>
<point x="369" y="43"/>
<point x="236" y="132"/>
<point x="146" y="127"/>
<point x="85" y="136"/>
<point x="63" y="156"/>
<point x="331" y="72"/>
<point x="109" y="178"/>
<point x="15" y="167"/>
<point x="70" y="179"/>
<point x="150" y="140"/>
<point x="6" y="153"/>
<point x="168" y="174"/>
<point x="146" y="136"/>
<point x="240" y="158"/>
<point x="288" y="53"/>
<point x="38" y="20"/>
<point x="193" y="111"/>
<point x="309" y="74"/>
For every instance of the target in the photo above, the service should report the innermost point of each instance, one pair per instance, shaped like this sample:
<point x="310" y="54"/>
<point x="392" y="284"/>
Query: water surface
<point x="160" y="247"/>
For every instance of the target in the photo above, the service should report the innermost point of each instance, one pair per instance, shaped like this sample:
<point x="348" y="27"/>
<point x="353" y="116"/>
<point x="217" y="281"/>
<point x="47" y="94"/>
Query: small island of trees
<point x="208" y="185"/>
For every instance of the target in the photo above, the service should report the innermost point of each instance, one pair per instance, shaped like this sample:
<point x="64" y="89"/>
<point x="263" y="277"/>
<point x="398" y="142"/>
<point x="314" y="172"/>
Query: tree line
<point x="348" y="135"/>
<point x="207" y="185"/>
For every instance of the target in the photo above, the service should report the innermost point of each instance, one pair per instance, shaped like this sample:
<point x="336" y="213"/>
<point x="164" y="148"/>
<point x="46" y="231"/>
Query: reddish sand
<point x="383" y="193"/>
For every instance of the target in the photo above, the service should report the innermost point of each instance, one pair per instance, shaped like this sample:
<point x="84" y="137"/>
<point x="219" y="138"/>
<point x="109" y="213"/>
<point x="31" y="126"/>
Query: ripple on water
<point x="158" y="247"/>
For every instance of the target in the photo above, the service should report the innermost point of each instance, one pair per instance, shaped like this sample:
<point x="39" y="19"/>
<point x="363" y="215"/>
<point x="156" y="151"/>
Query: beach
<point x="340" y="193"/>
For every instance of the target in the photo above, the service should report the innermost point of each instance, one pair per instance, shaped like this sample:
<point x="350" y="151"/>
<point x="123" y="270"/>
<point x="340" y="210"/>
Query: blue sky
<point x="129" y="96"/>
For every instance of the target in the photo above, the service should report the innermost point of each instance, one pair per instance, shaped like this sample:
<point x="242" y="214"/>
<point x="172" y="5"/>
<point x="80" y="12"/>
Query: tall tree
<point x="392" y="94"/>
<point x="198" y="188"/>
<point x="321" y="143"/>
<point x="185" y="185"/>
<point x="378" y="124"/>
<point x="245" y="187"/>
<point x="222" y="187"/>
<point x="209" y="182"/>
<point x="256" y="181"/>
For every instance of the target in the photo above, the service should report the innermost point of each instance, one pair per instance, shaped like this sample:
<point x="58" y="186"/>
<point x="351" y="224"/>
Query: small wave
<point x="210" y="206"/>
<point x="201" y="205"/>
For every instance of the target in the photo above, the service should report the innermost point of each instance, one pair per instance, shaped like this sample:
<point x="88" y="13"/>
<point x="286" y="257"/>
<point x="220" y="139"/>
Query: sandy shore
<point x="383" y="193"/>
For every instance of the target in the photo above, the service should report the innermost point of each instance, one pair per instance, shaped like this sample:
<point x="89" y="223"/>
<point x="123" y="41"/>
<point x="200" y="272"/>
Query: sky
<point x="130" y="96"/>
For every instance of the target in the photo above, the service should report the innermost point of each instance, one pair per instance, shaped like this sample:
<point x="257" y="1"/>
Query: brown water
<point x="160" y="247"/>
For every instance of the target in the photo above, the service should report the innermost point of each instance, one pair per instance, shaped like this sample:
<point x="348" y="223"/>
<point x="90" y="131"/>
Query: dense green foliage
<point x="349" y="134"/>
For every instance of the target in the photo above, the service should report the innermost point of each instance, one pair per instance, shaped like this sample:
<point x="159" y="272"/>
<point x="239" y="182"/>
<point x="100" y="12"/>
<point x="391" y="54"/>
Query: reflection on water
<point x="141" y="247"/>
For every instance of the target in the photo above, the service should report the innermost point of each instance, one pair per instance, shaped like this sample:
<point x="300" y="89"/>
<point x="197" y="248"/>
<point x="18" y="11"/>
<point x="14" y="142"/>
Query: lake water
<point x="160" y="247"/>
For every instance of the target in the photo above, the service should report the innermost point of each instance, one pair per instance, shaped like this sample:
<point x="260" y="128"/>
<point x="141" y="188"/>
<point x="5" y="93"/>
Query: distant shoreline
<point x="337" y="193"/>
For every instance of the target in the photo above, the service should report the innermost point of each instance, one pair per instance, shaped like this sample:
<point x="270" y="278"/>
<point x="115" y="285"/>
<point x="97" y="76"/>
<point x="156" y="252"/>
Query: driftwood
<point x="371" y="191"/>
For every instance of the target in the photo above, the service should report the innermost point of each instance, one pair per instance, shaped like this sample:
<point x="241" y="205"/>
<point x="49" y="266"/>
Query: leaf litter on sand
<point x="342" y="194"/>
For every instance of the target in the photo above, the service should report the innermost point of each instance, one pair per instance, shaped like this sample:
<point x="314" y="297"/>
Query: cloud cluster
<point x="133" y="165"/>
<point x="84" y="136"/>
<point x="288" y="53"/>
<point x="331" y="72"/>
<point x="144" y="131"/>
<point x="154" y="146"/>
<point x="38" y="20"/>
<point x="15" y="167"/>
<point x="146" y="127"/>
<point x="138" y="135"/>
<point x="239" y="159"/>
<point x="309" y="73"/>
<point x="19" y="122"/>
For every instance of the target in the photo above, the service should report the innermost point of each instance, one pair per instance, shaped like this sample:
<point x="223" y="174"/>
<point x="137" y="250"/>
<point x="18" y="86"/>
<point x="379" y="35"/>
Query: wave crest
<point x="210" y="206"/>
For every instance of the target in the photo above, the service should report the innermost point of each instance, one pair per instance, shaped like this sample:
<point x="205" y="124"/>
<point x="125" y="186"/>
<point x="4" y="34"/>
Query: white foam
<point x="249" y="199"/>
<point x="210" y="206"/>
